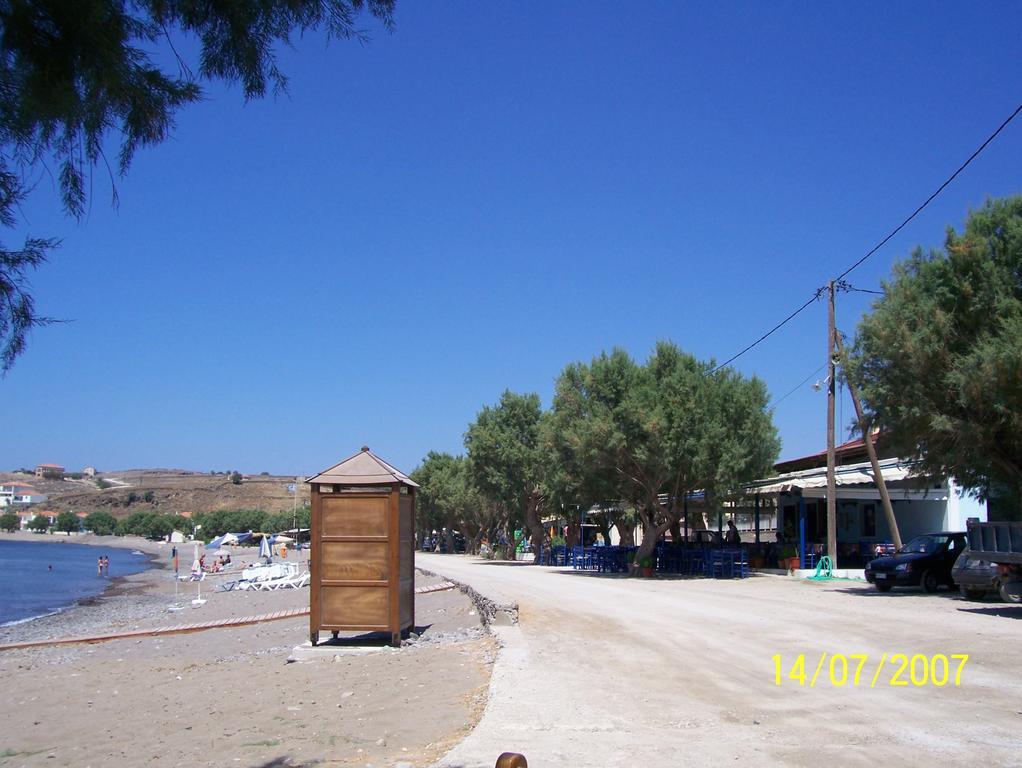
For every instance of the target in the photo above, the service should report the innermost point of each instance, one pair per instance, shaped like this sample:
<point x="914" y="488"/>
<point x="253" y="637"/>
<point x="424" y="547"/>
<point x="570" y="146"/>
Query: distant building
<point x="16" y="493"/>
<point x="89" y="471"/>
<point x="27" y="515"/>
<point x="42" y="469"/>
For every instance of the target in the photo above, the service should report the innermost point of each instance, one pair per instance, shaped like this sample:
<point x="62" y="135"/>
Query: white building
<point x="16" y="493"/>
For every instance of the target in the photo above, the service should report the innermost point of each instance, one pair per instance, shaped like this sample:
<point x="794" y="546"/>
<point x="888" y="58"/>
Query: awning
<point x="853" y="474"/>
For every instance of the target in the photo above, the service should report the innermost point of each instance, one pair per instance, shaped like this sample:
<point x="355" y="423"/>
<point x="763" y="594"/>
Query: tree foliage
<point x="642" y="433"/>
<point x="221" y="521"/>
<point x="101" y="523"/>
<point x="448" y="498"/>
<point x="507" y="459"/>
<point x="76" y="73"/>
<point x="939" y="359"/>
<point x="68" y="522"/>
<point x="634" y="439"/>
<point x="9" y="522"/>
<point x="39" y="524"/>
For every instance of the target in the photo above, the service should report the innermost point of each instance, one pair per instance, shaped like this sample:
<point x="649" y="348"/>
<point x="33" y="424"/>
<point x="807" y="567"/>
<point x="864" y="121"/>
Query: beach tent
<point x="226" y="540"/>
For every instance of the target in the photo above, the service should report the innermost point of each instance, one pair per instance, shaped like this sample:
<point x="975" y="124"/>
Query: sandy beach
<point x="228" y="696"/>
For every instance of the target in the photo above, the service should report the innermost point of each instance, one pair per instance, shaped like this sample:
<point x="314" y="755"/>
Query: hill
<point x="165" y="490"/>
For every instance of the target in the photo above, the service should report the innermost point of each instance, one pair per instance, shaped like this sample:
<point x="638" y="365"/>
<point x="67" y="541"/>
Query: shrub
<point x="9" y="522"/>
<point x="68" y="522"/>
<point x="101" y="523"/>
<point x="39" y="524"/>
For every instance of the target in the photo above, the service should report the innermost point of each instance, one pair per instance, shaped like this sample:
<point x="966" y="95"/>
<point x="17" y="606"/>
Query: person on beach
<point x="106" y="565"/>
<point x="99" y="566"/>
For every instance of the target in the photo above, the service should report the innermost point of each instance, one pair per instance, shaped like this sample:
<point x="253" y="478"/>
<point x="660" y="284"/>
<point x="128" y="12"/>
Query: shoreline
<point x="128" y="596"/>
<point x="227" y="695"/>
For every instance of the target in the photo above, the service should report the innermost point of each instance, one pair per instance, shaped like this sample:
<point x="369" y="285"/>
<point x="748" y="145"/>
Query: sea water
<point x="41" y="578"/>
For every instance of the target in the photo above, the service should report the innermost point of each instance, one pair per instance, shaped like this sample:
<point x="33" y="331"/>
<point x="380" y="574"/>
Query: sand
<point x="228" y="696"/>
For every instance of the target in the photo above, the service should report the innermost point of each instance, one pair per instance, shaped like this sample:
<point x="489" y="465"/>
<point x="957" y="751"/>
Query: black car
<point x="924" y="561"/>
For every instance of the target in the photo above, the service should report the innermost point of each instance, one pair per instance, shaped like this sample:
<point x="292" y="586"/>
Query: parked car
<point x="1000" y="543"/>
<point x="976" y="578"/>
<point x="924" y="561"/>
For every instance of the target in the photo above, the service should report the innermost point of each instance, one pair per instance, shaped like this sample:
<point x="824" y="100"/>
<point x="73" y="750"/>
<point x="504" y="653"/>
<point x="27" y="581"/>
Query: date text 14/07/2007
<point x="855" y="669"/>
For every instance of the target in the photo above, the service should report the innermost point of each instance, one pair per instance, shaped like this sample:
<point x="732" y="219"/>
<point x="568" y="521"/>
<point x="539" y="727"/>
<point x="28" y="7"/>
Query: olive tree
<point x="507" y="460"/>
<point x="650" y="434"/>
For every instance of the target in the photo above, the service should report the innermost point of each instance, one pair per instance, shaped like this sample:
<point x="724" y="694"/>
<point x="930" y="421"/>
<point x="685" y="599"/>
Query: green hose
<point x="825" y="572"/>
<point x="824" y="569"/>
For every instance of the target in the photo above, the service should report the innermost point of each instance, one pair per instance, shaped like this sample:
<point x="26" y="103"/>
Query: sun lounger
<point x="288" y="582"/>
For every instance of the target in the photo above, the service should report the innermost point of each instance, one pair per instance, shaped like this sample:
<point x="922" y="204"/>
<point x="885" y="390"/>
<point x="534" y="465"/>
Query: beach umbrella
<point x="282" y="538"/>
<point x="264" y="548"/>
<point x="198" y="575"/>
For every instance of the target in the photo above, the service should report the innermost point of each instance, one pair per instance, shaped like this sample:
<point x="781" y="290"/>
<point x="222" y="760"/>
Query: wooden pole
<point x="878" y="477"/>
<point x="831" y="459"/>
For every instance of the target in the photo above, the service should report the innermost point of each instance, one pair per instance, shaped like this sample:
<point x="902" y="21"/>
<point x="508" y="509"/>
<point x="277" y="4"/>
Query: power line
<point x="940" y="189"/>
<point x="810" y="300"/>
<point x="796" y="388"/>
<point x="843" y="285"/>
<point x="877" y="247"/>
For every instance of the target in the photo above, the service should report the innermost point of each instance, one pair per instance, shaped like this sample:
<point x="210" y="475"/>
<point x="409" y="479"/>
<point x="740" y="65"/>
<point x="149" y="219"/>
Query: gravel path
<point x="611" y="671"/>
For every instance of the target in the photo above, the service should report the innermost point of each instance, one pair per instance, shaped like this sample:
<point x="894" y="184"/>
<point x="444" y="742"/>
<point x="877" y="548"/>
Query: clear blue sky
<point x="487" y="194"/>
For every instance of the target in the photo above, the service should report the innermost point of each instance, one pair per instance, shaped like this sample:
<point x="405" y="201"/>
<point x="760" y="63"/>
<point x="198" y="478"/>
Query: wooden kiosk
<point x="362" y="549"/>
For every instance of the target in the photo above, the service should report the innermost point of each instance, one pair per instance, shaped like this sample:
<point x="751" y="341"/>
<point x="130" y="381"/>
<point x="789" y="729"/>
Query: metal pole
<point x="684" y="505"/>
<point x="802" y="531"/>
<point x="294" y="516"/>
<point x="757" y="518"/>
<point x="582" y="537"/>
<point x="831" y="459"/>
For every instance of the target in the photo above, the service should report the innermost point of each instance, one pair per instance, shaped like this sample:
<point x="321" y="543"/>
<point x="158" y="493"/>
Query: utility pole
<point x="831" y="483"/>
<point x="878" y="478"/>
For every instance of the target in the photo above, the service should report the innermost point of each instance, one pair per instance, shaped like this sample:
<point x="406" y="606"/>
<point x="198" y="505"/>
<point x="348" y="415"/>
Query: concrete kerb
<point x="490" y="612"/>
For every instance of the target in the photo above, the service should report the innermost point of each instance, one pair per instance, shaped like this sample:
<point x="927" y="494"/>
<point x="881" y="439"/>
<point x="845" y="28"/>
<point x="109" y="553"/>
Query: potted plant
<point x="787" y="556"/>
<point x="645" y="565"/>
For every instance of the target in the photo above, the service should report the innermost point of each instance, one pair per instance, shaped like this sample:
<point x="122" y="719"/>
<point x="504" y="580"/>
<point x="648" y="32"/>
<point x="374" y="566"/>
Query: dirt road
<point x="609" y="671"/>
